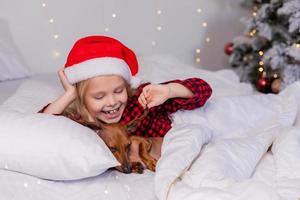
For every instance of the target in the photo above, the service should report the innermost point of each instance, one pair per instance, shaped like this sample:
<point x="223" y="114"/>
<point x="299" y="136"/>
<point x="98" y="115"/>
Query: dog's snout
<point x="127" y="169"/>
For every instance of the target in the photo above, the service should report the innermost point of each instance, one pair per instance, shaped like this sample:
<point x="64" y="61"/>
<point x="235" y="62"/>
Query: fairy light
<point x="198" y="51"/>
<point x="55" y="36"/>
<point x="159" y="28"/>
<point x="275" y="75"/>
<point x="207" y="39"/>
<point x="56" y="54"/>
<point x="261" y="53"/>
<point x="153" y="43"/>
<point x="260" y="69"/>
<point x="261" y="63"/>
<point x="44" y="5"/>
<point x="199" y="10"/>
<point x="198" y="60"/>
<point x="106" y="29"/>
<point x="51" y="20"/>
<point x="114" y="15"/>
<point x="252" y="33"/>
<point x="254" y="14"/>
<point x="25" y="185"/>
<point x="204" y="24"/>
<point x="158" y="12"/>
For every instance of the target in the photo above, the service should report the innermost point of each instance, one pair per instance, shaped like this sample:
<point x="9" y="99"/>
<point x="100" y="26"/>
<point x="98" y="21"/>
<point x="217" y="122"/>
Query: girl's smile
<point x="106" y="97"/>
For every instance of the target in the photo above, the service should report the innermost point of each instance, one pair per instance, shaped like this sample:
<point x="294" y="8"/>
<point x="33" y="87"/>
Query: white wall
<point x="135" y="25"/>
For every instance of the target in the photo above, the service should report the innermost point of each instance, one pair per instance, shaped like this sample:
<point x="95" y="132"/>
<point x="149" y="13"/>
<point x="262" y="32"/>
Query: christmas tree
<point x="268" y="55"/>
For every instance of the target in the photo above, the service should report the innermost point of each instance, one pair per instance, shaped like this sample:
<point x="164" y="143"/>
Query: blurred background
<point x="194" y="31"/>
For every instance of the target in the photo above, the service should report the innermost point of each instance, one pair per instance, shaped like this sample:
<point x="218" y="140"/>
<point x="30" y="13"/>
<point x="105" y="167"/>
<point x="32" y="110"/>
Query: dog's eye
<point x="112" y="149"/>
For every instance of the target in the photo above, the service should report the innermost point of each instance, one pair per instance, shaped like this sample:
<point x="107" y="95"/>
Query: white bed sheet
<point x="113" y="185"/>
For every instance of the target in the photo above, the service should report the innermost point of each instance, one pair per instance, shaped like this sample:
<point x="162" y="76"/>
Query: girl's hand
<point x="154" y="95"/>
<point x="68" y="87"/>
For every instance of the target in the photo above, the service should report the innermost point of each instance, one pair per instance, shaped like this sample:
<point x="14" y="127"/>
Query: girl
<point x="98" y="78"/>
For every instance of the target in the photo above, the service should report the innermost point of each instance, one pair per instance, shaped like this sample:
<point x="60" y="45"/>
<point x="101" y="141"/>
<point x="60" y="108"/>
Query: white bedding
<point x="216" y="152"/>
<point x="8" y="88"/>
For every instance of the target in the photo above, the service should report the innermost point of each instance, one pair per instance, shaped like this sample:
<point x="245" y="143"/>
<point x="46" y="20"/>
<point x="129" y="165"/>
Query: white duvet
<point x="219" y="151"/>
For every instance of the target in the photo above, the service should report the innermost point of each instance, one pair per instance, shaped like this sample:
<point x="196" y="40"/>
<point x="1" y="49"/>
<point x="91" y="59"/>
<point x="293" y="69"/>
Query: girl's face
<point x="106" y="98"/>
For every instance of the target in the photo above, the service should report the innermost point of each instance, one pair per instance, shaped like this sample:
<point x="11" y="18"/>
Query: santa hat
<point x="100" y="55"/>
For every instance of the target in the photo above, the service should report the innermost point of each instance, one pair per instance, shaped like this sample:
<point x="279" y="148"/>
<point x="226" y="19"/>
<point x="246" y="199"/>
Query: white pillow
<point x="12" y="65"/>
<point x="237" y="116"/>
<point x="51" y="147"/>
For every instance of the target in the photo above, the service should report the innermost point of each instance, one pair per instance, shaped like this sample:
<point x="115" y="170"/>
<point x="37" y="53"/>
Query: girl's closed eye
<point x="98" y="97"/>
<point x="119" y="90"/>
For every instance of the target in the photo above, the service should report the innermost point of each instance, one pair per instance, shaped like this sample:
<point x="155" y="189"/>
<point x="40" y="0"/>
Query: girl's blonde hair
<point x="78" y="105"/>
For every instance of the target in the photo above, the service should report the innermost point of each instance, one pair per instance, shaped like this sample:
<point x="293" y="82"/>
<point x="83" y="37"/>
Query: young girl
<point x="98" y="78"/>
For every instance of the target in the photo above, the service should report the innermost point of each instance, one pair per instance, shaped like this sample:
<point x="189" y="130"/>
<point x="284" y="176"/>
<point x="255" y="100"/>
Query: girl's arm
<point x="60" y="104"/>
<point x="175" y="95"/>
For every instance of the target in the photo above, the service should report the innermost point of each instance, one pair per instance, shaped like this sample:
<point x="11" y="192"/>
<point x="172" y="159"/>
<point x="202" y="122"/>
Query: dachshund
<point x="134" y="153"/>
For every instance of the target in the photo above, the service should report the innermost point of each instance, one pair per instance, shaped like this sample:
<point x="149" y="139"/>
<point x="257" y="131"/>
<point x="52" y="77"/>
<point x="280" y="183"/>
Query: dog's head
<point x="116" y="138"/>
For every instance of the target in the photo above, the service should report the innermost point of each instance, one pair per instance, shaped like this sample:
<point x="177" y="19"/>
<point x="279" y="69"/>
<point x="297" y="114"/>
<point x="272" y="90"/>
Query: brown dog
<point x="134" y="153"/>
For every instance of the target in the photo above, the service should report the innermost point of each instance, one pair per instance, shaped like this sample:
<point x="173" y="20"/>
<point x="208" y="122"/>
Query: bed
<point x="220" y="151"/>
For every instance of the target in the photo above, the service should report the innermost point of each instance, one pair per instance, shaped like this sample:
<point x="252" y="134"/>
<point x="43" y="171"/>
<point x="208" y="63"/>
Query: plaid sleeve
<point x="201" y="90"/>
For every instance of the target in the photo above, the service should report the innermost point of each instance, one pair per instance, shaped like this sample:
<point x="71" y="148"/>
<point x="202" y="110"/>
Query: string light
<point x="106" y="29"/>
<point x="153" y="43"/>
<point x="261" y="53"/>
<point x="44" y="5"/>
<point x="261" y="69"/>
<point x="261" y="63"/>
<point x="114" y="15"/>
<point x="106" y="192"/>
<point x="51" y="20"/>
<point x="159" y="28"/>
<point x="207" y="39"/>
<point x="204" y="24"/>
<point x="254" y="14"/>
<point x="198" y="60"/>
<point x="252" y="33"/>
<point x="198" y="51"/>
<point x="25" y="185"/>
<point x="297" y="45"/>
<point x="275" y="75"/>
<point x="56" y="54"/>
<point x="158" y="12"/>
<point x="199" y="10"/>
<point x="55" y="36"/>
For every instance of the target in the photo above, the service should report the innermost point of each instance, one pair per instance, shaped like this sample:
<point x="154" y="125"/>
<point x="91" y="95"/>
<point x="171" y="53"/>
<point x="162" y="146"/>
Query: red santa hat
<point x="100" y="55"/>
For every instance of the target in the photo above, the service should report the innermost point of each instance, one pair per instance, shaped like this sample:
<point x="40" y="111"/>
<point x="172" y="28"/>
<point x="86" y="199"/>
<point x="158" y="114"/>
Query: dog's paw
<point x="137" y="167"/>
<point x="151" y="165"/>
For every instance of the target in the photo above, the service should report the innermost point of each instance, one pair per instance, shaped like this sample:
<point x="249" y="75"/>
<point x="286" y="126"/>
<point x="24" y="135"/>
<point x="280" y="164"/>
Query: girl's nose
<point x="111" y="100"/>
